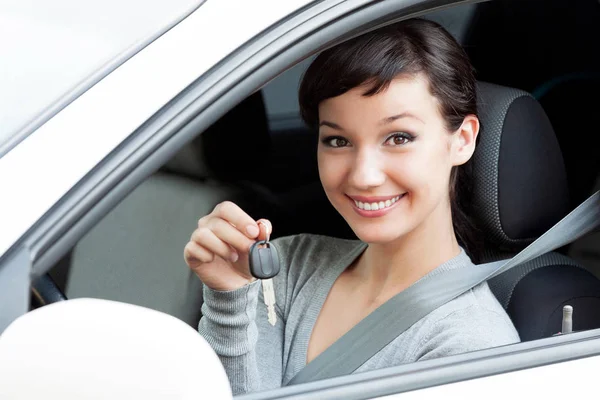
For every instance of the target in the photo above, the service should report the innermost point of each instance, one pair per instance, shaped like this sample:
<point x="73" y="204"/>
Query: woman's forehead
<point x="404" y="95"/>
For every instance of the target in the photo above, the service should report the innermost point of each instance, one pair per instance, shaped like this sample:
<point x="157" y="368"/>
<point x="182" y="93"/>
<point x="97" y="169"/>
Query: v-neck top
<point x="259" y="356"/>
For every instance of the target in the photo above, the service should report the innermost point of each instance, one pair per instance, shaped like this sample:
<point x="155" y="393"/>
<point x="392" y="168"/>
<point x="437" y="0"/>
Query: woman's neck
<point x="386" y="269"/>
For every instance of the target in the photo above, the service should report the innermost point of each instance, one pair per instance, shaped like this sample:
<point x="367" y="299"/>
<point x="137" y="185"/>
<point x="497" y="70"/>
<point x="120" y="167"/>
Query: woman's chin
<point x="373" y="236"/>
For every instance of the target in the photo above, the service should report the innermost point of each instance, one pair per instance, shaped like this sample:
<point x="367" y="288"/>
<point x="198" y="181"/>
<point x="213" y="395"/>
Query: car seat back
<point x="135" y="254"/>
<point x="520" y="190"/>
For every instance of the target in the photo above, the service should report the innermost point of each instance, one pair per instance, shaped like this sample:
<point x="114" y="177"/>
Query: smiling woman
<point x="412" y="151"/>
<point x="436" y="92"/>
<point x="397" y="118"/>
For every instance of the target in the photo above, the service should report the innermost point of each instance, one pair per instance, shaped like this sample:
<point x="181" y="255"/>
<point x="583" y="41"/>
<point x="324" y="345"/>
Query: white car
<point x="122" y="123"/>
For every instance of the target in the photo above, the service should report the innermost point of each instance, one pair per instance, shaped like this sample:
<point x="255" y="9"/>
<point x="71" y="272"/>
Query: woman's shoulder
<point x="473" y="321"/>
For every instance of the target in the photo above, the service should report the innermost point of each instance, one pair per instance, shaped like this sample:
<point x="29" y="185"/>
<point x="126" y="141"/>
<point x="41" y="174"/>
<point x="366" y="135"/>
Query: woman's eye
<point x="334" y="141"/>
<point x="399" y="139"/>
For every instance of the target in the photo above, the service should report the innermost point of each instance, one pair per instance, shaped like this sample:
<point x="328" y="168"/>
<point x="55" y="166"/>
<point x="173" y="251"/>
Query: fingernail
<point x="234" y="257"/>
<point x="252" y="230"/>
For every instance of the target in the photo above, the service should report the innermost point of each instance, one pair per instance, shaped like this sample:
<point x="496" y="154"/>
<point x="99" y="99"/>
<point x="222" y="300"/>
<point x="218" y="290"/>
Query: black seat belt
<point x="399" y="313"/>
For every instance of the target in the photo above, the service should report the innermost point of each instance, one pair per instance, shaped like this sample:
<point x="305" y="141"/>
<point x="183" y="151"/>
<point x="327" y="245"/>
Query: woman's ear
<point x="464" y="139"/>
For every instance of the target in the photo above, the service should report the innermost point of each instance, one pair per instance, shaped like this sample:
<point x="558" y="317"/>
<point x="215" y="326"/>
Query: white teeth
<point x="376" y="206"/>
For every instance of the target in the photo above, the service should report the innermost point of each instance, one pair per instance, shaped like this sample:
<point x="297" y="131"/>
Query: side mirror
<point x="100" y="349"/>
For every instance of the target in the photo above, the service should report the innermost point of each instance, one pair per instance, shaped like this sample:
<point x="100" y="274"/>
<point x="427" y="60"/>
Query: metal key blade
<point x="269" y="297"/>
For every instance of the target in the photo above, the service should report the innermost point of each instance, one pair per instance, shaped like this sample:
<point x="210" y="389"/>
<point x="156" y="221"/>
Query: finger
<point x="194" y="254"/>
<point x="230" y="235"/>
<point x="233" y="214"/>
<point x="265" y="228"/>
<point x="207" y="239"/>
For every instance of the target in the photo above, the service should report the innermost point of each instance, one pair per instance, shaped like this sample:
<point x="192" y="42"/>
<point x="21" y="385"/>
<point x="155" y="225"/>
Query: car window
<point x="281" y="98"/>
<point x="185" y="189"/>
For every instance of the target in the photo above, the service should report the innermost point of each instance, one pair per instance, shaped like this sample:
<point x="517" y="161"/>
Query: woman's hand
<point x="218" y="249"/>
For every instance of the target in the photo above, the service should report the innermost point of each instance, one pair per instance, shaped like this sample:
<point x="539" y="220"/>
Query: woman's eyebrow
<point x="331" y="125"/>
<point x="384" y="121"/>
<point x="393" y="118"/>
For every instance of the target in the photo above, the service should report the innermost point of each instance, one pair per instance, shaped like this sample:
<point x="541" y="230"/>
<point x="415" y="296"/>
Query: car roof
<point x="61" y="48"/>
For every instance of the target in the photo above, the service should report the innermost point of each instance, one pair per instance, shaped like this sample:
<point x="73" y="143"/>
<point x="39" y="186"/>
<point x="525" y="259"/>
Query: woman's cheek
<point x="407" y="171"/>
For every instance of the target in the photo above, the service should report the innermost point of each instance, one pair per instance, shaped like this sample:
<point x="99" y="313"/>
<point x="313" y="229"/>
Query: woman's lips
<point x="372" y="207"/>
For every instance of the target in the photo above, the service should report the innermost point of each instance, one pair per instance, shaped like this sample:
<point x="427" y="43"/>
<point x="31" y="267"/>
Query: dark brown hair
<point x="375" y="59"/>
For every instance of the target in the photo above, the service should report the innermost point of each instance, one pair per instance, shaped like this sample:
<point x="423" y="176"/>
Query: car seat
<point x="520" y="191"/>
<point x="135" y="254"/>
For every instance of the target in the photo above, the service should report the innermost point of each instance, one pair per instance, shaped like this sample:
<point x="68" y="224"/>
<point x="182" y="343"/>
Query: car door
<point x="194" y="81"/>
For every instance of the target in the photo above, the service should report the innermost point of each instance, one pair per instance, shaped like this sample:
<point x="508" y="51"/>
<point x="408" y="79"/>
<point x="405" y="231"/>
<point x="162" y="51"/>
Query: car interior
<point x="538" y="79"/>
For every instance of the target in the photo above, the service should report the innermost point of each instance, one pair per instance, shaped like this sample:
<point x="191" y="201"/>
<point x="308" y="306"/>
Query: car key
<point x="263" y="260"/>
<point x="264" y="265"/>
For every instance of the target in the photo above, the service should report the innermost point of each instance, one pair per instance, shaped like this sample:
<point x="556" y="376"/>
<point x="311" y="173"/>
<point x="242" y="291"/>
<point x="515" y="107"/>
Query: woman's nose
<point x="367" y="170"/>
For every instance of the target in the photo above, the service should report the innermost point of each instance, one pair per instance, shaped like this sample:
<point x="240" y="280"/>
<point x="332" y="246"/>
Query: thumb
<point x="265" y="227"/>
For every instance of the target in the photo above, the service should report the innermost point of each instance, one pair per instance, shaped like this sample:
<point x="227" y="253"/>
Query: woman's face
<point x="385" y="160"/>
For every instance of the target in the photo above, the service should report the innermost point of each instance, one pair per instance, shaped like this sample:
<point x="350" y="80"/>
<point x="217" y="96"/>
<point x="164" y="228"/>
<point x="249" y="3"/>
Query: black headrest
<point x="519" y="177"/>
<point x="235" y="148"/>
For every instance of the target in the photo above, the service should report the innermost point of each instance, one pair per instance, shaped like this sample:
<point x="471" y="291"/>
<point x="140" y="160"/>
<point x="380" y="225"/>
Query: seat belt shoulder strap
<point x="399" y="313"/>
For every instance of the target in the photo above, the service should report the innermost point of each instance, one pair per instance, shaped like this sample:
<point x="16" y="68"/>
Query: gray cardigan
<point x="258" y="356"/>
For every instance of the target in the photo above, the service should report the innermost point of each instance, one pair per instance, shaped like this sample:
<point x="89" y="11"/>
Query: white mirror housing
<point x="98" y="349"/>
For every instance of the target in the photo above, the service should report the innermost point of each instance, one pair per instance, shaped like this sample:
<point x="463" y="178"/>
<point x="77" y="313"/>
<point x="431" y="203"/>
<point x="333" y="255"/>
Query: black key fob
<point x="263" y="260"/>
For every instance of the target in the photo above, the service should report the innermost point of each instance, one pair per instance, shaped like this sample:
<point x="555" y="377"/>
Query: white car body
<point x="116" y="108"/>
<point x="42" y="168"/>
